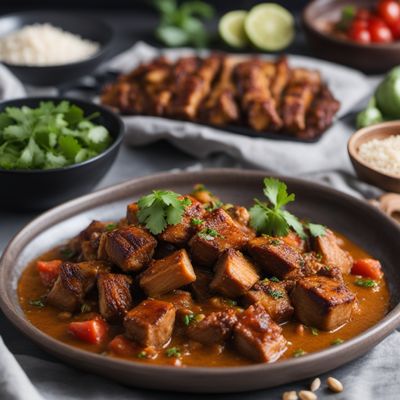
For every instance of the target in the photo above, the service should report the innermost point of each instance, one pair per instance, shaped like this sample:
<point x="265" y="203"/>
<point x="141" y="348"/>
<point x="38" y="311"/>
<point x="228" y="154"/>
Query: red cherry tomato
<point x="395" y="29"/>
<point x="359" y="34"/>
<point x="363" y="13"/>
<point x="389" y="10"/>
<point x="380" y="33"/>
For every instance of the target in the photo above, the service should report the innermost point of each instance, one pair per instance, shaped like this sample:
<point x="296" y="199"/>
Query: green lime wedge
<point x="231" y="28"/>
<point x="269" y="26"/>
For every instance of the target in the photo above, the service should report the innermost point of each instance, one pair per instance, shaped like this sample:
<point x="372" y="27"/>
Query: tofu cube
<point x="322" y="302"/>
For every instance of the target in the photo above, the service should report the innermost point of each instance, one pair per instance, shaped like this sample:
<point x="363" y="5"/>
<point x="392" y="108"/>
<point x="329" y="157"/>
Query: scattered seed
<point x="307" y="395"/>
<point x="334" y="384"/>
<point x="292" y="395"/>
<point x="315" y="384"/>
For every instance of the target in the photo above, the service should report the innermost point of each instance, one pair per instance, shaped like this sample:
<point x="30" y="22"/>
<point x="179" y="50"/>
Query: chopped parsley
<point x="276" y="294"/>
<point x="173" y="352"/>
<point x="209" y="234"/>
<point x="364" y="282"/>
<point x="196" y="221"/>
<point x="160" y="209"/>
<point x="37" y="303"/>
<point x="230" y="302"/>
<point x="274" y="279"/>
<point x="275" y="242"/>
<point x="189" y="318"/>
<point x="314" y="331"/>
<point x="110" y="227"/>
<point x="142" y="354"/>
<point x="214" y="204"/>
<point x="337" y="341"/>
<point x="299" y="353"/>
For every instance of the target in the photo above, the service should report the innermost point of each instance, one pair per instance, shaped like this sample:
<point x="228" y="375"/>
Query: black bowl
<point x="42" y="189"/>
<point x="86" y="27"/>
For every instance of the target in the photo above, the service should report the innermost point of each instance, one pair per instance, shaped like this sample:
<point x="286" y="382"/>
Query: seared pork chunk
<point x="214" y="328"/>
<point x="273" y="297"/>
<point x="180" y="234"/>
<point x="219" y="232"/>
<point x="167" y="274"/>
<point x="179" y="298"/>
<point x="322" y="302"/>
<point x="130" y="247"/>
<point x="276" y="257"/>
<point x="234" y="274"/>
<point x="150" y="323"/>
<point x="201" y="286"/>
<point x="332" y="254"/>
<point x="313" y="265"/>
<point x="73" y="282"/>
<point x="114" y="296"/>
<point x="257" y="336"/>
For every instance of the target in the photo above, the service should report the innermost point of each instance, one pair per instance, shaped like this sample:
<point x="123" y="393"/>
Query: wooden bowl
<point x="370" y="58"/>
<point x="364" y="171"/>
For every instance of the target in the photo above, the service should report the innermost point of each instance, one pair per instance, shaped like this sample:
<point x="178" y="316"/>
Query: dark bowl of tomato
<point x="362" y="34"/>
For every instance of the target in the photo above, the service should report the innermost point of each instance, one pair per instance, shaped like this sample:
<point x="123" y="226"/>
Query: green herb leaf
<point x="337" y="342"/>
<point x="160" y="209"/>
<point x="314" y="331"/>
<point x="208" y="234"/>
<point x="173" y="352"/>
<point x="37" y="303"/>
<point x="196" y="221"/>
<point x="316" y="230"/>
<point x="111" y="227"/>
<point x="365" y="282"/>
<point x="274" y="279"/>
<point x="299" y="353"/>
<point x="189" y="318"/>
<point x="66" y="253"/>
<point x="142" y="354"/>
<point x="276" y="294"/>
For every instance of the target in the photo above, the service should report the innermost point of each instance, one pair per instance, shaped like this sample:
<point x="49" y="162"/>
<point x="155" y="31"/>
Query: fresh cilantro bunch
<point x="49" y="136"/>
<point x="272" y="219"/>
<point x="161" y="208"/>
<point x="183" y="25"/>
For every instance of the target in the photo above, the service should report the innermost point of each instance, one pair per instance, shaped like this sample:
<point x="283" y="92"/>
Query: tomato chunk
<point x="121" y="346"/>
<point x="93" y="331"/>
<point x="48" y="271"/>
<point x="367" y="267"/>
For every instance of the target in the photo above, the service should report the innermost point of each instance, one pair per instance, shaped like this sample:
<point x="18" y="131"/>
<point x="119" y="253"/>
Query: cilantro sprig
<point x="271" y="218"/>
<point x="160" y="209"/>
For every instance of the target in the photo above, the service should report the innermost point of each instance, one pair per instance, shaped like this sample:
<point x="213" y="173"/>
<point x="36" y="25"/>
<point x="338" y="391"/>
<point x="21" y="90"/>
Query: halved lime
<point x="269" y="26"/>
<point x="231" y="28"/>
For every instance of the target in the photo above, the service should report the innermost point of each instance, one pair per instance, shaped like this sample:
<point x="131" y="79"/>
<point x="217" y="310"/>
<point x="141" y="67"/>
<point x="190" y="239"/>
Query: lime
<point x="269" y="26"/>
<point x="231" y="28"/>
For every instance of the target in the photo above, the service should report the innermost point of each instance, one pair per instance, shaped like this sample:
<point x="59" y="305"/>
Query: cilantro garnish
<point x="314" y="331"/>
<point x="160" y="209"/>
<point x="272" y="219"/>
<point x="196" y="221"/>
<point x="37" y="303"/>
<point x="110" y="227"/>
<point x="173" y="352"/>
<point x="274" y="279"/>
<point x="189" y="318"/>
<point x="276" y="294"/>
<point x="48" y="136"/>
<point x="337" y="342"/>
<point x="141" y="354"/>
<point x="367" y="283"/>
<point x="209" y="234"/>
<point x="299" y="353"/>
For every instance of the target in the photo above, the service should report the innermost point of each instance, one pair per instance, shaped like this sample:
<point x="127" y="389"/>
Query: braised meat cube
<point x="73" y="282"/>
<point x="180" y="234"/>
<point x="313" y="265"/>
<point x="220" y="232"/>
<point x="179" y="298"/>
<point x="273" y="297"/>
<point x="201" y="286"/>
<point x="214" y="328"/>
<point x="167" y="274"/>
<point x="257" y="336"/>
<point x="239" y="214"/>
<point x="83" y="239"/>
<point x="234" y="274"/>
<point x="150" y="323"/>
<point x="131" y="247"/>
<point x="114" y="296"/>
<point x="332" y="254"/>
<point x="276" y="257"/>
<point x="322" y="302"/>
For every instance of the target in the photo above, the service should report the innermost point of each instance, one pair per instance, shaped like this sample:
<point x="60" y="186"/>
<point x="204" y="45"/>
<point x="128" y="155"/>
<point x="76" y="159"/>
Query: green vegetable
<point x="347" y="16"/>
<point x="173" y="352"/>
<point x="110" y="227"/>
<point x="208" y="234"/>
<point x="274" y="279"/>
<point x="37" y="303"/>
<point x="337" y="342"/>
<point x="272" y="219"/>
<point x="388" y="94"/>
<point x="189" y="318"/>
<point x="67" y="253"/>
<point x="49" y="136"/>
<point x="314" y="331"/>
<point x="141" y="354"/>
<point x="364" y="282"/>
<point x="160" y="209"/>
<point x="183" y="25"/>
<point x="299" y="353"/>
<point x="196" y="221"/>
<point x="370" y="116"/>
<point x="276" y="294"/>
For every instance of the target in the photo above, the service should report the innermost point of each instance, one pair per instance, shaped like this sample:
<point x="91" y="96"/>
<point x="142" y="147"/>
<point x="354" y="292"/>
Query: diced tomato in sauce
<point x="122" y="346"/>
<point x="93" y="331"/>
<point x="367" y="267"/>
<point x="48" y="271"/>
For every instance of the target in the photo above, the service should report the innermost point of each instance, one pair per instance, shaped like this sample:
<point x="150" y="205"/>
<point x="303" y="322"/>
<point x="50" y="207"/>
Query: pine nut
<point x="334" y="384"/>
<point x="290" y="395"/>
<point x="315" y="384"/>
<point x="307" y="395"/>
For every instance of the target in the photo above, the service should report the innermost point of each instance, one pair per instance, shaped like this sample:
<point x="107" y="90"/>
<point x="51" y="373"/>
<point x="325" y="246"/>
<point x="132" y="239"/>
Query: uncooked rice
<point x="382" y="155"/>
<point x="44" y="45"/>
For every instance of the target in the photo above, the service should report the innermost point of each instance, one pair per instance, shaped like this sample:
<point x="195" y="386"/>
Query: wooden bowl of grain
<point x="375" y="154"/>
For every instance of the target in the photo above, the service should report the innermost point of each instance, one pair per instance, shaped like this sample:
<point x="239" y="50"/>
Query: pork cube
<point x="273" y="297"/>
<point x="234" y="274"/>
<point x="114" y="296"/>
<point x="181" y="233"/>
<point x="322" y="302"/>
<point x="168" y="274"/>
<point x="332" y="254"/>
<point x="201" y="286"/>
<point x="219" y="232"/>
<point x="215" y="328"/>
<point x="276" y="257"/>
<point x="313" y="265"/>
<point x="73" y="282"/>
<point x="179" y="298"/>
<point x="150" y="323"/>
<point x="131" y="247"/>
<point x="85" y="235"/>
<point x="257" y="336"/>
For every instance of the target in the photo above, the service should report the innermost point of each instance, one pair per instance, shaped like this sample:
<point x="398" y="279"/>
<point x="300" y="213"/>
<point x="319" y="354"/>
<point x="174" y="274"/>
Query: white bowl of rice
<point x="375" y="154"/>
